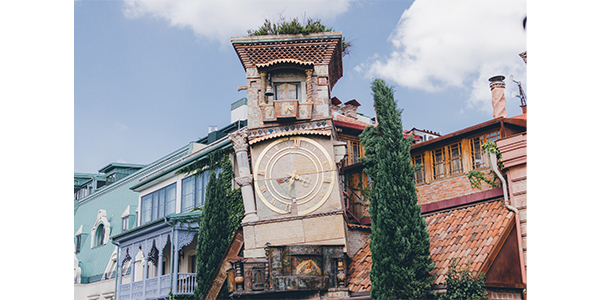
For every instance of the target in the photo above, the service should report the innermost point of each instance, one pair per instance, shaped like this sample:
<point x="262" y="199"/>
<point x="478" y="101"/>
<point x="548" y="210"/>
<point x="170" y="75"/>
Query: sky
<point x="151" y="76"/>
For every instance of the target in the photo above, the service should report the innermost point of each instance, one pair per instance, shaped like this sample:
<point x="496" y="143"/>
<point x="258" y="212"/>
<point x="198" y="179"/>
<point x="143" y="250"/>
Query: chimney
<point x="497" y="86"/>
<point x="335" y="104"/>
<point x="350" y="108"/>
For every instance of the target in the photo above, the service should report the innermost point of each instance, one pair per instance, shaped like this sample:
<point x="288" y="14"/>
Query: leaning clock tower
<point x="291" y="184"/>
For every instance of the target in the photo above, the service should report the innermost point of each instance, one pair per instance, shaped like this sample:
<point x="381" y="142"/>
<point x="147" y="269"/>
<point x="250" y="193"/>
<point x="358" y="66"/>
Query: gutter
<point x="494" y="165"/>
<point x="119" y="270"/>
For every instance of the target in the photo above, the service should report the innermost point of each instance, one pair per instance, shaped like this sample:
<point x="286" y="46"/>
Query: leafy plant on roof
<point x="294" y="26"/>
<point x="463" y="283"/>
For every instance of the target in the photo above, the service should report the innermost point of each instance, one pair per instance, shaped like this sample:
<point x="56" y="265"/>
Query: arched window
<point x="99" y="238"/>
<point x="100" y="231"/>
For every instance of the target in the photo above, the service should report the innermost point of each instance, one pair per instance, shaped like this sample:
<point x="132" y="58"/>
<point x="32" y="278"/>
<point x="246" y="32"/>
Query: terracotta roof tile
<point x="466" y="233"/>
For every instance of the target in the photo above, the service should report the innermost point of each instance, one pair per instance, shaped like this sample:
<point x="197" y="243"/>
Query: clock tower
<point x="291" y="184"/>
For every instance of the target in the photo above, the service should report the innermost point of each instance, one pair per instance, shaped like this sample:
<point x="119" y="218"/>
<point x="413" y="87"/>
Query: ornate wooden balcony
<point x="158" y="287"/>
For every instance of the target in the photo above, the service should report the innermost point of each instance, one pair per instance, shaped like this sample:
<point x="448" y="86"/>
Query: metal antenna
<point x="521" y="95"/>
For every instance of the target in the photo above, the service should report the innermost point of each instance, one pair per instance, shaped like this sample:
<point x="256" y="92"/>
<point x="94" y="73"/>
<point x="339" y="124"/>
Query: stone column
<point x="175" y="267"/>
<point x="158" y="272"/>
<point x="240" y="145"/>
<point x="309" y="85"/>
<point x="263" y="84"/>
<point x="145" y="267"/>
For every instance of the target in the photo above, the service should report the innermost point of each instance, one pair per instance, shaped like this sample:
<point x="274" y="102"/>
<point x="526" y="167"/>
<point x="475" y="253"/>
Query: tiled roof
<point x="317" y="49"/>
<point x="468" y="233"/>
<point x="359" y="270"/>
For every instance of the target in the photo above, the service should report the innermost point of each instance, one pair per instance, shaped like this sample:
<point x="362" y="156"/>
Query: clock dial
<point x="294" y="174"/>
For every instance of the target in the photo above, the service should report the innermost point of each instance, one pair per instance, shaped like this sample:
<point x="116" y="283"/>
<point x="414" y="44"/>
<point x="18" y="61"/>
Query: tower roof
<point x="266" y="51"/>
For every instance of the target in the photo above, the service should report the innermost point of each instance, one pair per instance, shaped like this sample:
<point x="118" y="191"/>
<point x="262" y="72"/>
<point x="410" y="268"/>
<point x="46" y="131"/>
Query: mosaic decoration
<point x="316" y="125"/>
<point x="307" y="265"/>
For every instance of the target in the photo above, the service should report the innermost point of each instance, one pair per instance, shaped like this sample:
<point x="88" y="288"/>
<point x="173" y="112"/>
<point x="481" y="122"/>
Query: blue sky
<point x="151" y="76"/>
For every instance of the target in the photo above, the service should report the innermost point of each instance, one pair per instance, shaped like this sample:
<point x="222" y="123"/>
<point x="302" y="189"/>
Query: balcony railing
<point x="157" y="287"/>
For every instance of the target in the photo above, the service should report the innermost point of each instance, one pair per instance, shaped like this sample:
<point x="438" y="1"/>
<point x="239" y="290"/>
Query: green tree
<point x="223" y="209"/>
<point x="399" y="237"/>
<point x="295" y="27"/>
<point x="461" y="283"/>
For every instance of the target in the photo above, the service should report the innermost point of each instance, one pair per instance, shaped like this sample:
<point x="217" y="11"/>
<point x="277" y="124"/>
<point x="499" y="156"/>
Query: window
<point x="125" y="223"/>
<point x="99" y="238"/>
<point x="100" y="231"/>
<point x="110" y="179"/>
<point x="159" y="203"/>
<point x="447" y="161"/>
<point x="477" y="154"/>
<point x="477" y="157"/>
<point x="78" y="243"/>
<point x="420" y="173"/>
<point x="286" y="91"/>
<point x="355" y="150"/>
<point x="492" y="136"/>
<point x="456" y="164"/>
<point x="193" y="190"/>
<point x="439" y="162"/>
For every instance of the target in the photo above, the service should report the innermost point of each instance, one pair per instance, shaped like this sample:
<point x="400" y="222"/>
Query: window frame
<point x="351" y="142"/>
<point x="452" y="159"/>
<point x="419" y="159"/>
<point x="78" y="241"/>
<point x="297" y="84"/>
<point x="151" y="204"/>
<point x="200" y="181"/>
<point x="99" y="235"/>
<point x="482" y="139"/>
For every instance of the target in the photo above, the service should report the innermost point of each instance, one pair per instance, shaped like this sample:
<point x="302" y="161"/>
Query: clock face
<point x="294" y="174"/>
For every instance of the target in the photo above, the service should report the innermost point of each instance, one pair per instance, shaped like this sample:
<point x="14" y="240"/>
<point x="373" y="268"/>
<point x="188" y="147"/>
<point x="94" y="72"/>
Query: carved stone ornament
<point x="239" y="140"/>
<point x="244" y="181"/>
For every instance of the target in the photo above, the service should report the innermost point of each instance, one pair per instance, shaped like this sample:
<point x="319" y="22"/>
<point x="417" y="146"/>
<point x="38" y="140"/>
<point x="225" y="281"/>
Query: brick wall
<point x="449" y="188"/>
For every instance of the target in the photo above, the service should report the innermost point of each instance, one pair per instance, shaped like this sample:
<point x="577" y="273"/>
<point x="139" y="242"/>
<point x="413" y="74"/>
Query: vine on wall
<point x="477" y="177"/>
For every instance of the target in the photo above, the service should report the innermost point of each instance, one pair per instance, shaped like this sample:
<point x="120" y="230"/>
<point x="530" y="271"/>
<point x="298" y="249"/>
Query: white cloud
<point x="222" y="19"/>
<point x="120" y="126"/>
<point x="441" y="44"/>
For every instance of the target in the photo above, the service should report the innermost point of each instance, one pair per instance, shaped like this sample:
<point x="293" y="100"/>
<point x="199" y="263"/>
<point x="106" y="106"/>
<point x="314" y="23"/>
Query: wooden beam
<point x="221" y="275"/>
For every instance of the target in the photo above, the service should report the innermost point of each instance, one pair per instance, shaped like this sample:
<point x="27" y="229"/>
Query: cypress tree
<point x="399" y="237"/>
<point x="214" y="226"/>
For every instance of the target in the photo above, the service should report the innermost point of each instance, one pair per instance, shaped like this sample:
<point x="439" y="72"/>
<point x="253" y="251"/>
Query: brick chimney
<point x="350" y="108"/>
<point x="497" y="86"/>
<point x="335" y="104"/>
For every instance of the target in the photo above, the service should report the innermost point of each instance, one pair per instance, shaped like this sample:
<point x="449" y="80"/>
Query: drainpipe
<point x="117" y="267"/>
<point x="494" y="165"/>
<point x="172" y="253"/>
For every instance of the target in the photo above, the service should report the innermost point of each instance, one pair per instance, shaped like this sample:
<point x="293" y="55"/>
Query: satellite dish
<point x="514" y="94"/>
